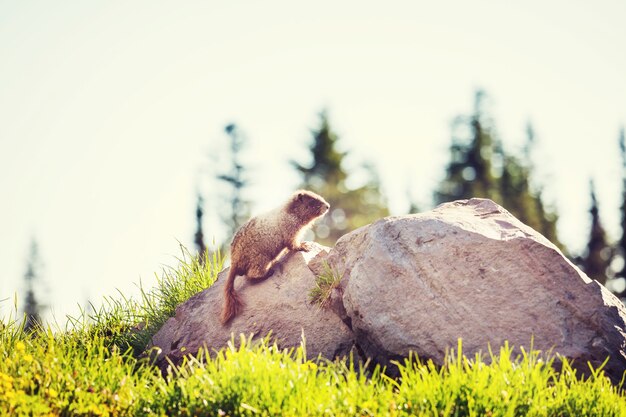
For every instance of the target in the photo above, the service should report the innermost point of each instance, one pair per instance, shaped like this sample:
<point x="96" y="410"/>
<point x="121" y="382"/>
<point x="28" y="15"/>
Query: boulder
<point x="471" y="270"/>
<point x="279" y="304"/>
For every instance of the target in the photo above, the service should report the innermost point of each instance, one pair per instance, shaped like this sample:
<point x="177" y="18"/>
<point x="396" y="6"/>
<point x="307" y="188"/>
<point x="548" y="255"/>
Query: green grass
<point x="324" y="285"/>
<point x="94" y="368"/>
<point x="128" y="323"/>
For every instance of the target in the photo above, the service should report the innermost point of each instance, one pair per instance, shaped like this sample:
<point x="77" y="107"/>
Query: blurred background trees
<point x="198" y="238"/>
<point x="236" y="179"/>
<point x="232" y="182"/>
<point x="620" y="250"/>
<point x="602" y="259"/>
<point x="473" y="152"/>
<point x="596" y="261"/>
<point x="480" y="165"/>
<point x="350" y="207"/>
<point x="33" y="307"/>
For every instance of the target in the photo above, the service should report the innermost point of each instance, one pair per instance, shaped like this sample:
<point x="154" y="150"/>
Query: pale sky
<point x="112" y="114"/>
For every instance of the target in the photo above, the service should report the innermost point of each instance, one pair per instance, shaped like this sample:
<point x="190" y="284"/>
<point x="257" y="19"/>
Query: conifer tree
<point x="480" y="167"/>
<point x="32" y="306"/>
<point x="621" y="245"/>
<point x="597" y="257"/>
<point x="236" y="179"/>
<point x="548" y="220"/>
<point x="326" y="175"/>
<point x="470" y="171"/>
<point x="199" y="235"/>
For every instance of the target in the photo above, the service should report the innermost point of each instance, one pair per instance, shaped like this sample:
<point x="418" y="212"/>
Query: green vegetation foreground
<point x="95" y="368"/>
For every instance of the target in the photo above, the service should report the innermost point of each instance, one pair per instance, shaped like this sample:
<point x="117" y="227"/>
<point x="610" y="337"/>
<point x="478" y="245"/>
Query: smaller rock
<point x="279" y="304"/>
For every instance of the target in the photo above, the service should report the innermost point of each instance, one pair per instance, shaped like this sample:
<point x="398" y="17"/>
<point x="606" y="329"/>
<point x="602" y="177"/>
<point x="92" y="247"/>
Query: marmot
<point x="258" y="243"/>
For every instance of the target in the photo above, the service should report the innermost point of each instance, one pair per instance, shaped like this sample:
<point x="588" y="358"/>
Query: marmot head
<point x="307" y="205"/>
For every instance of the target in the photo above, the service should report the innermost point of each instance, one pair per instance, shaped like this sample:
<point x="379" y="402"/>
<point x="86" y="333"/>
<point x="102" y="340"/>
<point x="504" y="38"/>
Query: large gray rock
<point x="278" y="304"/>
<point x="470" y="270"/>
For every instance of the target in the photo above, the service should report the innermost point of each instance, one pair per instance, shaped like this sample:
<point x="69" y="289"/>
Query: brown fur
<point x="258" y="244"/>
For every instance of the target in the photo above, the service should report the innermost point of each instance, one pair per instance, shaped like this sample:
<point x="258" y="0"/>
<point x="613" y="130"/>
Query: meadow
<point x="95" y="366"/>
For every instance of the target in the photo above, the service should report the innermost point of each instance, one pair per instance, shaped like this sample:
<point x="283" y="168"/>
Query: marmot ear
<point x="300" y="196"/>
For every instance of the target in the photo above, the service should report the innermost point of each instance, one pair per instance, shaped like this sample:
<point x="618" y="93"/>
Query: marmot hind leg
<point x="259" y="273"/>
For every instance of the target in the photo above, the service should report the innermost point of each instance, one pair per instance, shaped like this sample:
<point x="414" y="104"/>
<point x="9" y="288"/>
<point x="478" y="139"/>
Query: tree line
<point x="479" y="165"/>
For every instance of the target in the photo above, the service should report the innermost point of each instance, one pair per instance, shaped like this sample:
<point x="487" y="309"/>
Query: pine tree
<point x="327" y="160"/>
<point x="548" y="220"/>
<point x="597" y="257"/>
<point x="32" y="306"/>
<point x="236" y="179"/>
<point x="480" y="167"/>
<point x="349" y="208"/>
<point x="519" y="195"/>
<point x="621" y="245"/>
<point x="470" y="172"/>
<point x="199" y="235"/>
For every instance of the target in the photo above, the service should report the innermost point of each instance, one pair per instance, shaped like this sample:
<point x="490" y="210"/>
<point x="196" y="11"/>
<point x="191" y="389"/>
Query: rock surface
<point x="470" y="270"/>
<point x="467" y="269"/>
<point x="280" y="304"/>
